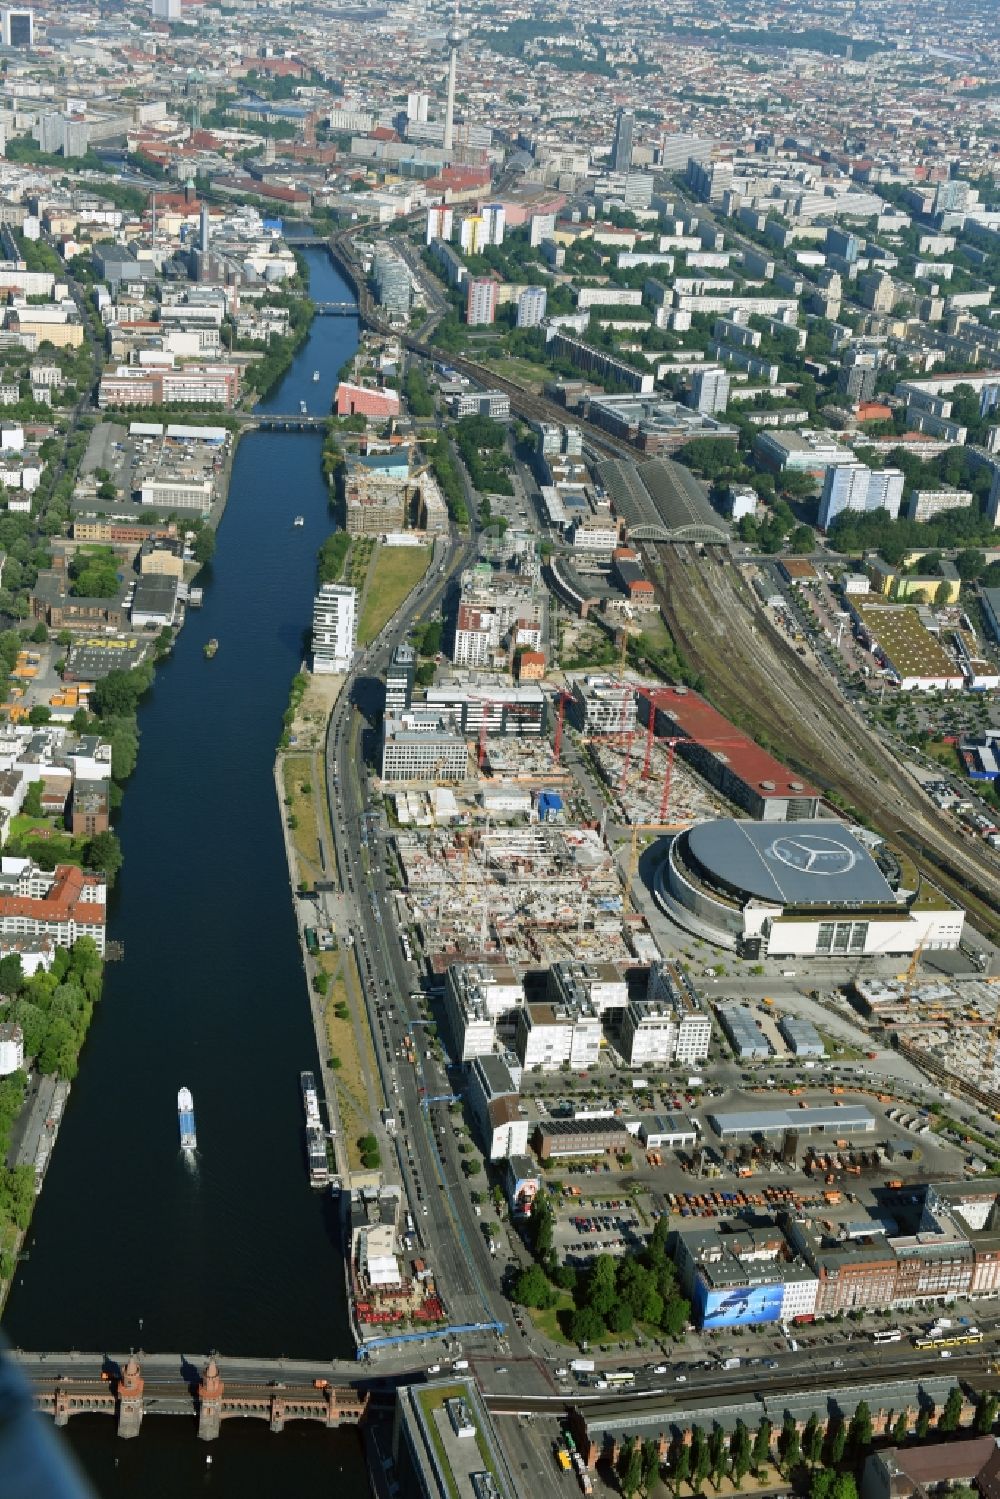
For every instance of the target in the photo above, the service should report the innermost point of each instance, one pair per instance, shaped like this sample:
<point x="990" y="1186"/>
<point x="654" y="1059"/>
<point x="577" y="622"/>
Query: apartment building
<point x="420" y="746"/>
<point x="59" y="905"/>
<point x="335" y="628"/>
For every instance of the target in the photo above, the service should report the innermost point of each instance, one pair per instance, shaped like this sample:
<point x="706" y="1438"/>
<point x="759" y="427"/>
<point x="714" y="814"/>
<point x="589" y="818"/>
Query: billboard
<point x="737" y="1308"/>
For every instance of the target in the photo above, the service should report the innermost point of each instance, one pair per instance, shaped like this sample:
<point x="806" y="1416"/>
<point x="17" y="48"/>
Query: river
<point x="130" y="1245"/>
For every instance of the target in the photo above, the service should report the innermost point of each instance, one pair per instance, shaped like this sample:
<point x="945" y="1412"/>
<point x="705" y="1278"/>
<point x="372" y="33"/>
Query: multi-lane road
<point x="449" y="1233"/>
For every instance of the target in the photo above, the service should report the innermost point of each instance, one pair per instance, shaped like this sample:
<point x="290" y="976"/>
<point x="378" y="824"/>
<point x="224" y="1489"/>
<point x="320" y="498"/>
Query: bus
<point x="619" y="1378"/>
<point x="890" y="1335"/>
<point x="963" y="1339"/>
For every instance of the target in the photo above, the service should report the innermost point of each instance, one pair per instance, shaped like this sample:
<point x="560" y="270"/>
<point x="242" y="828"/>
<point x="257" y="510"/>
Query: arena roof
<point x="662" y="501"/>
<point x="813" y="862"/>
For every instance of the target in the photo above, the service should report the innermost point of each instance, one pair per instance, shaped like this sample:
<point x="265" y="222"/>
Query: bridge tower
<point x="130" y="1406"/>
<point x="210" y="1392"/>
<point x="278" y="1411"/>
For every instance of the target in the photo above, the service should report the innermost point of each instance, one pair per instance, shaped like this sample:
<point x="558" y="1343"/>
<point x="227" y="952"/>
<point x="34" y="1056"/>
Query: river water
<point x="130" y="1245"/>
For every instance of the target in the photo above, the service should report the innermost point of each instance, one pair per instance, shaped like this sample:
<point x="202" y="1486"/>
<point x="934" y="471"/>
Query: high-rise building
<point x="472" y="234"/>
<point x="621" y="146"/>
<point x="543" y="226"/>
<point x="494" y="217"/>
<point x="393" y="286"/>
<point x="399" y="679"/>
<point x="416" y="108"/>
<point x="710" y="391"/>
<point x="19" y="28"/>
<point x="166" y="10"/>
<point x="204" y="228"/>
<point x="481" y="300"/>
<point x="531" y="306"/>
<point x="440" y="222"/>
<point x="335" y="628"/>
<point x="858" y="377"/>
<point x="853" y="486"/>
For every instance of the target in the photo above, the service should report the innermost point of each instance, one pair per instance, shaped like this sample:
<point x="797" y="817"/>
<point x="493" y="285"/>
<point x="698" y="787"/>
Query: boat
<point x="319" y="1167"/>
<point x="210" y="648"/>
<point x="185" y="1120"/>
<point x="299" y="520"/>
<point x="315" y="374"/>
<point x="303" y="407"/>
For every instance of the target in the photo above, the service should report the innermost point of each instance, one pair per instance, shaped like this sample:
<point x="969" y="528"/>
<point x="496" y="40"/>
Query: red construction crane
<point x="564" y="698"/>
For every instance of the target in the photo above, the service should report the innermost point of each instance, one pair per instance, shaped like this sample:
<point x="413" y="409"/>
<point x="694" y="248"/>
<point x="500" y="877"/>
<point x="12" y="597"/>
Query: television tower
<point x="454" y="41"/>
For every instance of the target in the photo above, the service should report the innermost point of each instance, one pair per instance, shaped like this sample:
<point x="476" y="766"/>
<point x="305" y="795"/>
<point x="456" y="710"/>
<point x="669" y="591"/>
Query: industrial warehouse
<point x="809" y="890"/>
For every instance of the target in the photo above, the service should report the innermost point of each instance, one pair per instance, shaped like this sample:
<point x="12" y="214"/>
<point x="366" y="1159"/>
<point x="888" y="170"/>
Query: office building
<point x="621" y="146"/>
<point x="854" y="486"/>
<point x="858" y="378"/>
<point x="550" y="1034"/>
<point x="500" y="1118"/>
<point x="19" y="27"/>
<point x="399" y="679"/>
<point x="335" y="627"/>
<point x="531" y="305"/>
<point x="393" y="287"/>
<point x="481" y="1006"/>
<point x="481" y="300"/>
<point x="422" y="746"/>
<point x="710" y="391"/>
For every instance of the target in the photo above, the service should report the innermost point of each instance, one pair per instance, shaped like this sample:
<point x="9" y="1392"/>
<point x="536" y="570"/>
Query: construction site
<point x="953" y="1024"/>
<point x="527" y="896"/>
<point x="650" y="786"/>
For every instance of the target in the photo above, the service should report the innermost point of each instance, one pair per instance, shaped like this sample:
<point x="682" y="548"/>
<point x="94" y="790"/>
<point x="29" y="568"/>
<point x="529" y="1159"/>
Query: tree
<point x="619" y="1318"/>
<point x="859" y="1433"/>
<point x="789" y="1444"/>
<point x="719" y="1455"/>
<point x="203" y="548"/>
<point x="762" y="1446"/>
<point x="586" y="1326"/>
<point x="681" y="1466"/>
<point x="941" y="593"/>
<point x="969" y="564"/>
<point x="631" y="1472"/>
<point x="104" y="852"/>
<point x="836" y="1440"/>
<point x="740" y="1453"/>
<point x="951" y="1411"/>
<point x="650" y="1465"/>
<point x="812" y="1441"/>
<point x="986" y="1413"/>
<point x="900" y="1428"/>
<point x="924" y="1419"/>
<point x="39" y="634"/>
<point x="39" y="714"/>
<point x="32" y="804"/>
<point x="532" y="1288"/>
<point x="701" y="1463"/>
<point x="675" y="1317"/>
<point x="602" y="1291"/>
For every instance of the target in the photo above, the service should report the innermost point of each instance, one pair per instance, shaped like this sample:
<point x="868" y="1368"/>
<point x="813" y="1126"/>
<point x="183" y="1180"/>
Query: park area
<point x="393" y="574"/>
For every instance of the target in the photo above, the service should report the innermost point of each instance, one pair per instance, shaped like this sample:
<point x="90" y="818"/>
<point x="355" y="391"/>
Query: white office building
<point x="440" y="222"/>
<point x="335" y="628"/>
<point x="854" y="486"/>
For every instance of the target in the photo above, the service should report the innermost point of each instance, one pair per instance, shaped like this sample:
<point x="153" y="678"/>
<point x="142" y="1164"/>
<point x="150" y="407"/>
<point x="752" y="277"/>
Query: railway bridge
<point x="94" y="1384"/>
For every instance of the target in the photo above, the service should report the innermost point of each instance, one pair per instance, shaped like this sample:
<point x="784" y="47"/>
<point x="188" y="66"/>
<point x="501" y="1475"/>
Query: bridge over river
<point x="170" y="1384"/>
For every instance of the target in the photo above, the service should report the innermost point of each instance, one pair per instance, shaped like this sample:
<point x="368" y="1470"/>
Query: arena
<point x="808" y="889"/>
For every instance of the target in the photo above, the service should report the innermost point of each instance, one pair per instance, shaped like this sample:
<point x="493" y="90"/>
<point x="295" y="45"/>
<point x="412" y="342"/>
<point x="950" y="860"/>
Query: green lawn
<point x="524" y="371"/>
<point x="38" y="832"/>
<point x="395" y="572"/>
<point x="547" y="1322"/>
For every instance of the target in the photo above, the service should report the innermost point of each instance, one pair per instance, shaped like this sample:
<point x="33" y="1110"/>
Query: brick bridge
<point x="120" y="1390"/>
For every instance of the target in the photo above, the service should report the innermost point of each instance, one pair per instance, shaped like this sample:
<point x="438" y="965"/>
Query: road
<point x="449" y="1233"/>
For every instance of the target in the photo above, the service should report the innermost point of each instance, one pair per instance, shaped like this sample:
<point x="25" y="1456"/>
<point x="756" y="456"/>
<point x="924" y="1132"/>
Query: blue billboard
<point x="739" y="1307"/>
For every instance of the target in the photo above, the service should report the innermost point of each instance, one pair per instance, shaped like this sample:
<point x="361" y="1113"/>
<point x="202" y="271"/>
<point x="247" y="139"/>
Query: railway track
<point x="756" y="676"/>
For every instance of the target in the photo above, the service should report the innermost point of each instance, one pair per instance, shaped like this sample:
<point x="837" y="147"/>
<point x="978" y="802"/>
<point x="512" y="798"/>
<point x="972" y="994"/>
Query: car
<point x="680" y="1379"/>
<point x="434" y="1368"/>
<point x="658" y="1369"/>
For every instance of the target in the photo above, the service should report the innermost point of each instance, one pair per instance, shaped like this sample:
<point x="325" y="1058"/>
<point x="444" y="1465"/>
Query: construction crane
<point x="564" y="698"/>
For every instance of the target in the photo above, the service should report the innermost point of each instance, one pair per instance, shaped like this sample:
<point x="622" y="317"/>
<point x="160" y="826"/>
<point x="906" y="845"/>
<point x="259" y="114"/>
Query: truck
<point x="582" y="1365"/>
<point x="696" y="1082"/>
<point x="731" y="1363"/>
